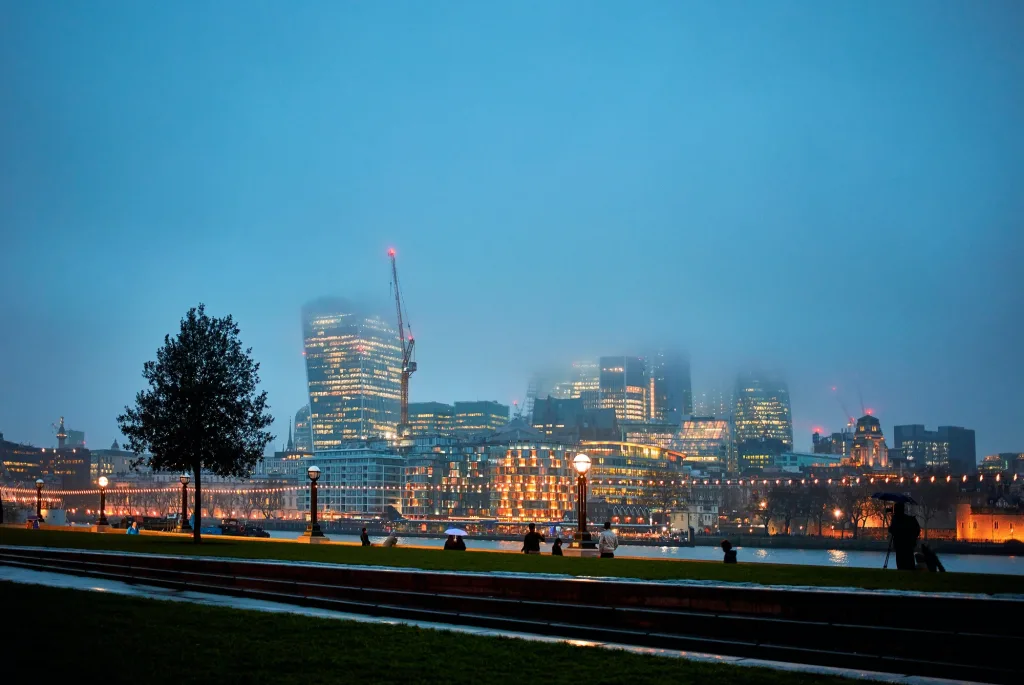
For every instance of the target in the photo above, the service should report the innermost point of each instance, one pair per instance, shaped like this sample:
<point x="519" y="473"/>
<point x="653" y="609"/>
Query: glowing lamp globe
<point x="581" y="463"/>
<point x="184" y="479"/>
<point x="103" y="482"/>
<point x="313" y="472"/>
<point x="39" y="482"/>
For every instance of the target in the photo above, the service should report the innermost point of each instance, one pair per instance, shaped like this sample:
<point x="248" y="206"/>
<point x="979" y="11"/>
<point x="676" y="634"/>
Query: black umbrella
<point x="893" y="497"/>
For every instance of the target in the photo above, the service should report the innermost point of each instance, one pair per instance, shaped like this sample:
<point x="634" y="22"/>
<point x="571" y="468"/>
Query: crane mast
<point x="408" y="344"/>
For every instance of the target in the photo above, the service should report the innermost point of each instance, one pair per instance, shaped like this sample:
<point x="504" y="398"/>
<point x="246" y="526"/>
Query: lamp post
<point x="842" y="531"/>
<point x="102" y="520"/>
<point x="581" y="462"/>
<point x="39" y="499"/>
<point x="185" y="525"/>
<point x="313" y="532"/>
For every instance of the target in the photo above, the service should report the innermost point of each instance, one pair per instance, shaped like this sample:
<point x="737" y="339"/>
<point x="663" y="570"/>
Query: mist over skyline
<point x="832" y="191"/>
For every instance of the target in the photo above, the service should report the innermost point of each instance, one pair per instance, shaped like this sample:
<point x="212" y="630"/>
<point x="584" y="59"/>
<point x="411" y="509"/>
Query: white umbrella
<point x="455" y="531"/>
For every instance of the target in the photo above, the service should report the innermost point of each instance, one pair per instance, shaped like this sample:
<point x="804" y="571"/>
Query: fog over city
<point x="834" y="196"/>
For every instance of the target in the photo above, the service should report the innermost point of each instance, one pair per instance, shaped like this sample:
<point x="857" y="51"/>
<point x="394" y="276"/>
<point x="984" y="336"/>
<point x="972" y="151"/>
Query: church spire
<point x="291" y="444"/>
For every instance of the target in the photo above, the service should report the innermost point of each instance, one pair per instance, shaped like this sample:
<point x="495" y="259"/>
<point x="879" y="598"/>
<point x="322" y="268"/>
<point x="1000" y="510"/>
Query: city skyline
<point x="831" y="193"/>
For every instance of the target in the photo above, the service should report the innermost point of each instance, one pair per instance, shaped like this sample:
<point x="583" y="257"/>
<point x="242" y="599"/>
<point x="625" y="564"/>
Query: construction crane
<point x="408" y="346"/>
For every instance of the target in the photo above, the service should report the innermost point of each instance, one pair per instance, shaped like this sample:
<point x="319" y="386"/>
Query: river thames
<point x="964" y="563"/>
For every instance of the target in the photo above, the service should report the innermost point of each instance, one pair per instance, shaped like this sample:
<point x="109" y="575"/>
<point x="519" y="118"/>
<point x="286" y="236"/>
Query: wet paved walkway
<point x="18" y="575"/>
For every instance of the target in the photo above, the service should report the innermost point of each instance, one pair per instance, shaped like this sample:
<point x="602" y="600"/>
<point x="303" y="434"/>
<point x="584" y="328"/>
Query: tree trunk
<point x="197" y="507"/>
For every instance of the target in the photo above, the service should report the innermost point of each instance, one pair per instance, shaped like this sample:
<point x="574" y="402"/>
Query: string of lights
<point x="691" y="482"/>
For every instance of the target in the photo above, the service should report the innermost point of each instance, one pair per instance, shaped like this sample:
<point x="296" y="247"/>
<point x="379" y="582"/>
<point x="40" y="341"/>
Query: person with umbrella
<point x="903" y="531"/>
<point x="455" y="541"/>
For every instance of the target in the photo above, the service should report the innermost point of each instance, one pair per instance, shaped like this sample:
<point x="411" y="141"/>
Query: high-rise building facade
<point x="705" y="438"/>
<point x="431" y="418"/>
<point x="303" y="440"/>
<point x="949" y="448"/>
<point x="838" y="443"/>
<point x="716" y="402"/>
<point x="761" y="409"/>
<point x="669" y="382"/>
<point x="627" y="473"/>
<point x="363" y="478"/>
<point x="584" y="378"/>
<point x="76" y="438"/>
<point x="480" y="417"/>
<point x="624" y="387"/>
<point x="869" y="448"/>
<point x="353" y="369"/>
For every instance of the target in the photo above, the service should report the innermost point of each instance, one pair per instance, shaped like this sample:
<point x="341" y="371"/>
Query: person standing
<point x="904" y="530"/>
<point x="364" y="538"/>
<point x="607" y="543"/>
<point x="531" y="541"/>
<point x="730" y="553"/>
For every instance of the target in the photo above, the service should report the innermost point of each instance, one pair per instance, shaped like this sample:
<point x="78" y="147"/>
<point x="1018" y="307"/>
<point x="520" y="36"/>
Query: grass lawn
<point x="436" y="559"/>
<point x="89" y="637"/>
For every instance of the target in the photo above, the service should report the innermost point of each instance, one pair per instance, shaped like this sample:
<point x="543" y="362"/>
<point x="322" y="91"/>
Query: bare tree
<point x="760" y="507"/>
<point x="853" y="501"/>
<point x="820" y="503"/>
<point x="666" y="495"/>
<point x="933" y="499"/>
<point x="269" y="503"/>
<point x="881" y="510"/>
<point x="786" y="502"/>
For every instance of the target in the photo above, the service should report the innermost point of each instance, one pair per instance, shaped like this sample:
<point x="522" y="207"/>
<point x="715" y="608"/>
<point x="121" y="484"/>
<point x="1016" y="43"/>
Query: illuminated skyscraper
<point x="624" y="388"/>
<point x="431" y="418"/>
<point x="716" y="402"/>
<point x="303" y="441"/>
<point x="705" y="438"/>
<point x="584" y="378"/>
<point x="669" y="376"/>
<point x="761" y="409"/>
<point x="480" y="417"/>
<point x="353" y="367"/>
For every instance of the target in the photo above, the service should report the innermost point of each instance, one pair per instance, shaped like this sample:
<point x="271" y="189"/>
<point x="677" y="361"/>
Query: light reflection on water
<point x="964" y="563"/>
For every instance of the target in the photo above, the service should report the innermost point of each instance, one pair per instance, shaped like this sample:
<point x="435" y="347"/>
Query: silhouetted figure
<point x="460" y="544"/>
<point x="531" y="541"/>
<point x="931" y="560"/>
<point x="607" y="543"/>
<point x="556" y="548"/>
<point x="450" y="542"/>
<point x="904" y="530"/>
<point x="730" y="553"/>
<point x="364" y="538"/>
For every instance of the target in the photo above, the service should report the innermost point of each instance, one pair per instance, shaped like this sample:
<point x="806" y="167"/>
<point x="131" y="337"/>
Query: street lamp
<point x="185" y="525"/>
<point x="842" y="529"/>
<point x="103" y="483"/>
<point x="39" y="499"/>
<point x="313" y="532"/>
<point x="581" y="462"/>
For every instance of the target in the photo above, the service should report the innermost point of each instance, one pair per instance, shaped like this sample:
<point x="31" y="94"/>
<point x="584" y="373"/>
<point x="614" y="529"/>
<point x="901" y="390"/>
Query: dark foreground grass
<point x="436" y="559"/>
<point x="76" y="636"/>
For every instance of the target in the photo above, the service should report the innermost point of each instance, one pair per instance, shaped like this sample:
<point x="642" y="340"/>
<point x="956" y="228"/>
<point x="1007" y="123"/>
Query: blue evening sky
<point x="833" y="189"/>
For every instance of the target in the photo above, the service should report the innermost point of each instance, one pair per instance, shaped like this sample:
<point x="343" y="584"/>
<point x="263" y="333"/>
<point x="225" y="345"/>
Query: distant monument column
<point x="62" y="435"/>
